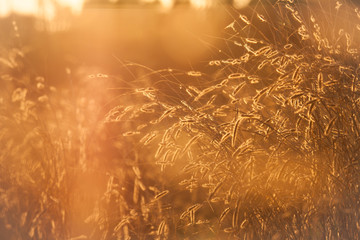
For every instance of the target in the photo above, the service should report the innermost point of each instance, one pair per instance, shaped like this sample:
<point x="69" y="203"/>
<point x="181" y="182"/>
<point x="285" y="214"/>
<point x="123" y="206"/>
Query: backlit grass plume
<point x="265" y="147"/>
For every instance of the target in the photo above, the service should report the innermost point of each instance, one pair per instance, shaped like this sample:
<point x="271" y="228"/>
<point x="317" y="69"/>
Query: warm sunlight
<point x="241" y="3"/>
<point x="179" y="119"/>
<point x="167" y="4"/>
<point x="47" y="8"/>
<point x="44" y="8"/>
<point x="201" y="3"/>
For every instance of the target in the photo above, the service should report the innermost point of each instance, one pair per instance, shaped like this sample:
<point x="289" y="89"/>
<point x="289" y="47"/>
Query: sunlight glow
<point x="4" y="8"/>
<point x="45" y="8"/>
<point x="75" y="5"/>
<point x="241" y="3"/>
<point x="167" y="4"/>
<point x="201" y="3"/>
<point x="22" y="7"/>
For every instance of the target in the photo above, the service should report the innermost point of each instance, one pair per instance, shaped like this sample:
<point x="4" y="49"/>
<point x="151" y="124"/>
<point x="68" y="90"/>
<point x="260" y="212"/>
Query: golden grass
<point x="263" y="146"/>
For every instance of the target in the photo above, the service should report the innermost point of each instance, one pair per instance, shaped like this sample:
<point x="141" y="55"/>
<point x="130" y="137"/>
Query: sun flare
<point x="39" y="8"/>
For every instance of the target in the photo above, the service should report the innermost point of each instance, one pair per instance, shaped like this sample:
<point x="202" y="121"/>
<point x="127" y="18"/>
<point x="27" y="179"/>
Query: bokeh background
<point x="102" y="34"/>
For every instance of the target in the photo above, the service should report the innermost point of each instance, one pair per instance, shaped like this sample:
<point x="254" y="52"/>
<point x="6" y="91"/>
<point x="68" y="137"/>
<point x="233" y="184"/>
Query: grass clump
<point x="48" y="154"/>
<point x="264" y="148"/>
<point x="33" y="192"/>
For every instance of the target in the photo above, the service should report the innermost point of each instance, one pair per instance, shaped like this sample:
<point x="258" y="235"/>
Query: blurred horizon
<point x="103" y="34"/>
<point x="103" y="38"/>
<point x="48" y="9"/>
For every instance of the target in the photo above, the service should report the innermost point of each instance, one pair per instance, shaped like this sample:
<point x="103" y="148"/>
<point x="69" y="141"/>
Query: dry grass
<point x="33" y="193"/>
<point x="263" y="145"/>
<point x="266" y="146"/>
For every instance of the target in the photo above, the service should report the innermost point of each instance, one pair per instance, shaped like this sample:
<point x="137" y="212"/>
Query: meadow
<point x="260" y="142"/>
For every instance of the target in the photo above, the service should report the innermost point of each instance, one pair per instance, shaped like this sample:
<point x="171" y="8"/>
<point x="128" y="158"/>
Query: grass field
<point x="257" y="139"/>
